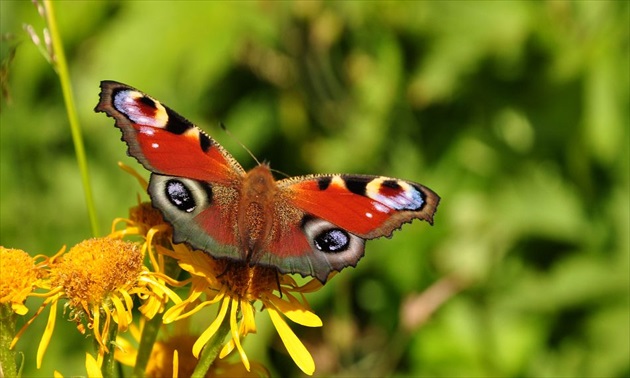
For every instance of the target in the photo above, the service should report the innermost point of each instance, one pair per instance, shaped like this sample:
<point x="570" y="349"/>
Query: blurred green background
<point x="515" y="112"/>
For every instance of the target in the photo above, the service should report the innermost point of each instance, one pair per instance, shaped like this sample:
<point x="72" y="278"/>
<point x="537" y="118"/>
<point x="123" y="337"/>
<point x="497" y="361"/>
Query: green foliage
<point x="516" y="113"/>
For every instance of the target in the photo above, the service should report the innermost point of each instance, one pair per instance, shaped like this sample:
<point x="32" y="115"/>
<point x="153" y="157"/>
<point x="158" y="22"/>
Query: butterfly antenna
<point x="238" y="141"/>
<point x="279" y="172"/>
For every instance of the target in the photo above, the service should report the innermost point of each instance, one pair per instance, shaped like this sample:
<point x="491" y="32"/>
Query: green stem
<point x="109" y="363"/>
<point x="149" y="335"/>
<point x="8" y="367"/>
<point x="212" y="349"/>
<point x="61" y="67"/>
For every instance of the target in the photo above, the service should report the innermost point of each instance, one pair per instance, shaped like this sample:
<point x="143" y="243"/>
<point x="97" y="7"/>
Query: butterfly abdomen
<point x="256" y="209"/>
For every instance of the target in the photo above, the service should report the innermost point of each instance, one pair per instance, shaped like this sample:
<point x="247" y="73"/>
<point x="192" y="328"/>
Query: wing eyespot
<point x="332" y="240"/>
<point x="179" y="196"/>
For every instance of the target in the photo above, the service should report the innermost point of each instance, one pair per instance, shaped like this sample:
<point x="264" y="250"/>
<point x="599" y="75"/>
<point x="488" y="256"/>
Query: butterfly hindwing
<point x="313" y="247"/>
<point x="200" y="213"/>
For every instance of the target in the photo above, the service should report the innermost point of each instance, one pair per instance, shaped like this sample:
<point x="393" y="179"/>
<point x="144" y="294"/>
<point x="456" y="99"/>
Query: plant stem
<point x="109" y="363"/>
<point x="212" y="349"/>
<point x="7" y="331"/>
<point x="150" y="332"/>
<point x="58" y="59"/>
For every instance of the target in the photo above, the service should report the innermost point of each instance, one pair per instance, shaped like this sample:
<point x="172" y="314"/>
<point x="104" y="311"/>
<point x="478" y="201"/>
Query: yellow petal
<point x="123" y="317"/>
<point x="175" y="364"/>
<point x="119" y="234"/>
<point x="52" y="298"/>
<point x="150" y="308"/>
<point x="293" y="300"/>
<point x="124" y="352"/>
<point x="19" y="308"/>
<point x="235" y="335"/>
<point x="312" y="285"/>
<point x="248" y="325"/>
<point x="135" y="174"/>
<point x="227" y="348"/>
<point x="162" y="289"/>
<point x="136" y="331"/>
<point x="50" y="326"/>
<point x="91" y="367"/>
<point x="210" y="331"/>
<point x="128" y="300"/>
<point x="97" y="326"/>
<point x="296" y="349"/>
<point x="174" y="313"/>
<point x="295" y="312"/>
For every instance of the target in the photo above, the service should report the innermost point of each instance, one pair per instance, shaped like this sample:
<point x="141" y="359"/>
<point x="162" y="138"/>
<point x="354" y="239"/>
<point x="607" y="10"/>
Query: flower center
<point x="96" y="267"/>
<point x="18" y="273"/>
<point x="246" y="281"/>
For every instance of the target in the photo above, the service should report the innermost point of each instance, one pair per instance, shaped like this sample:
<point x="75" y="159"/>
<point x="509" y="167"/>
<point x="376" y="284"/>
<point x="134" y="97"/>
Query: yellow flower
<point x="173" y="357"/>
<point x="20" y="275"/>
<point x="237" y="286"/>
<point x="147" y="222"/>
<point x="97" y="278"/>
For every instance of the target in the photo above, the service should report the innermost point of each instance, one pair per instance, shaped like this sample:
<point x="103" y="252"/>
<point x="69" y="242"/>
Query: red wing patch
<point x="164" y="141"/>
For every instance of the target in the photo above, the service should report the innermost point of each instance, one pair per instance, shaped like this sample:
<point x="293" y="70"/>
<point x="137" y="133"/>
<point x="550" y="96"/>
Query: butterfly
<point x="311" y="225"/>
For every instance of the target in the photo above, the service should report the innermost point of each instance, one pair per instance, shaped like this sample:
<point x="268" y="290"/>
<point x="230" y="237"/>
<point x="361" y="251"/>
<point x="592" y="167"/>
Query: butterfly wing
<point x="324" y="220"/>
<point x="201" y="213"/>
<point x="319" y="223"/>
<point x="367" y="206"/>
<point x="163" y="141"/>
<point x="194" y="182"/>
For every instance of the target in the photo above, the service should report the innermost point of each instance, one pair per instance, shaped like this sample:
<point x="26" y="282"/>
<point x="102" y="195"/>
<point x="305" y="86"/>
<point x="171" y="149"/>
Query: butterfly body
<point x="310" y="225"/>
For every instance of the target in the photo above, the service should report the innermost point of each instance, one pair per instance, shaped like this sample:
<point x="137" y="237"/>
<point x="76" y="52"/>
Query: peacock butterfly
<point x="311" y="225"/>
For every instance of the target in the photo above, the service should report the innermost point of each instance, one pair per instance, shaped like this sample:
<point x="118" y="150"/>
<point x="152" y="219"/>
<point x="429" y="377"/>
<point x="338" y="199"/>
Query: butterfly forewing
<point x="163" y="141"/>
<point x="368" y="206"/>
